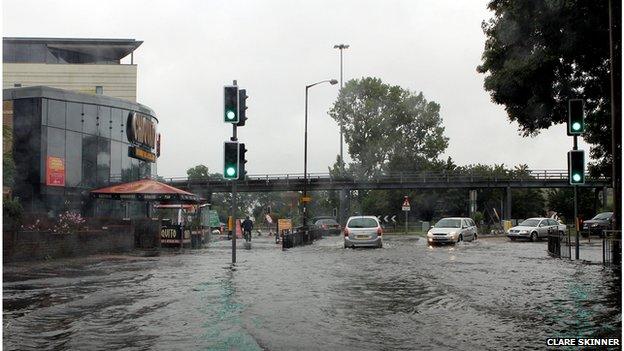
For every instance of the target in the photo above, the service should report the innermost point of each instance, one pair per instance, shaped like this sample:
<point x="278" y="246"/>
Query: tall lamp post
<point x="305" y="152"/>
<point x="341" y="200"/>
<point x="341" y="47"/>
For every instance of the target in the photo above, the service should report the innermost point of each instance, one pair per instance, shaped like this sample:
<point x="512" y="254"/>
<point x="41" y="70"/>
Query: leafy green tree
<point x="198" y="172"/>
<point x="387" y="127"/>
<point x="541" y="53"/>
<point x="561" y="201"/>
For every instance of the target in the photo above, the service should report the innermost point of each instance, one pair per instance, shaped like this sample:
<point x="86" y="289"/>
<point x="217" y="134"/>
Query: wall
<point x="32" y="246"/>
<point x="117" y="80"/>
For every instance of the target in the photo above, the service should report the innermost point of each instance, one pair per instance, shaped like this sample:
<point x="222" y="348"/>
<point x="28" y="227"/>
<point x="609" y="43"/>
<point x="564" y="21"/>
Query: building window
<point x="99" y="90"/>
<point x="17" y="85"/>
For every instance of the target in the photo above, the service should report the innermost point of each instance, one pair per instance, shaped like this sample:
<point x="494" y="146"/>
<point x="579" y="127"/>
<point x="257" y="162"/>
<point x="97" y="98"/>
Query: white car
<point x="452" y="230"/>
<point x="363" y="231"/>
<point x="535" y="229"/>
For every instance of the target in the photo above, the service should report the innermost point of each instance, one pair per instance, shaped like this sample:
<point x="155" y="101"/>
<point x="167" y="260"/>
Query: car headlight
<point x="524" y="232"/>
<point x="594" y="225"/>
<point x="429" y="233"/>
<point x="451" y="233"/>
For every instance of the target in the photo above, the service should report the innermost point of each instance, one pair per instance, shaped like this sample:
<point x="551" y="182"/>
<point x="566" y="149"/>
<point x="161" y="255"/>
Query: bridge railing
<point x="411" y="177"/>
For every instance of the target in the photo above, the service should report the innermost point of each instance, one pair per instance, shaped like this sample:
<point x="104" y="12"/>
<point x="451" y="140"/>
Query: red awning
<point x="145" y="190"/>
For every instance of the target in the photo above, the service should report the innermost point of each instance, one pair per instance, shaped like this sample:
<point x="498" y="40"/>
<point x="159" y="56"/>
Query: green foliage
<point x="198" y="172"/>
<point x="539" y="54"/>
<point x="12" y="213"/>
<point x="478" y="217"/>
<point x="562" y="201"/>
<point x="8" y="170"/>
<point x="388" y="128"/>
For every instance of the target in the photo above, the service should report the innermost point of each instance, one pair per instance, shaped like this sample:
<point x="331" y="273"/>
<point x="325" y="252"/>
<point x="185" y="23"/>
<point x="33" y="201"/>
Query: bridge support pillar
<point x="604" y="197"/>
<point x="508" y="203"/>
<point x="473" y="202"/>
<point x="342" y="206"/>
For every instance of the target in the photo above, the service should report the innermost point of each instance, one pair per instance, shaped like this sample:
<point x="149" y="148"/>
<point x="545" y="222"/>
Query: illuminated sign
<point x="55" y="171"/>
<point x="141" y="130"/>
<point x="141" y="154"/>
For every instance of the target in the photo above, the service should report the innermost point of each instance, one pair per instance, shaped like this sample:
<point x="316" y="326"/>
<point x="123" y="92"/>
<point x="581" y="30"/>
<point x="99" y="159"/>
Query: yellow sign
<point x="139" y="153"/>
<point x="306" y="199"/>
<point x="284" y="224"/>
<point x="230" y="223"/>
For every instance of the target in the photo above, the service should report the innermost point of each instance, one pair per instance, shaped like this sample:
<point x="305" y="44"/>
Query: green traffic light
<point x="230" y="171"/>
<point x="230" y="115"/>
<point x="576" y="177"/>
<point x="576" y="126"/>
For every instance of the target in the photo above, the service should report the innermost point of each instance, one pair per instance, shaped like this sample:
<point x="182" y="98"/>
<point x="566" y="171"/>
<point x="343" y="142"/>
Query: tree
<point x="387" y="127"/>
<point x="539" y="54"/>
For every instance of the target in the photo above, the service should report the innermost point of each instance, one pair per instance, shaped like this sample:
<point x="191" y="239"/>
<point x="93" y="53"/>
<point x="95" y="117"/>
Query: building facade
<point x="90" y="66"/>
<point x="65" y="144"/>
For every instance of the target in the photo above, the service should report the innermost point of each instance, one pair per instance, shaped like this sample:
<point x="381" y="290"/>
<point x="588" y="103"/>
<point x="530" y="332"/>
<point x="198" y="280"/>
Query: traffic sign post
<point x="406" y="208"/>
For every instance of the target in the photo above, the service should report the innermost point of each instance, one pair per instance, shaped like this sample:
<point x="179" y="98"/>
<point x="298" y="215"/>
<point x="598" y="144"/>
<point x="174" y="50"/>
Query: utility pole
<point x="343" y="191"/>
<point x="234" y="193"/>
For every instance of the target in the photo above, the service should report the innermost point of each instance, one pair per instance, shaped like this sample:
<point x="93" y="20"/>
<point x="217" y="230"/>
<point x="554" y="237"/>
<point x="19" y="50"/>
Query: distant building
<point x="72" y="123"/>
<point x="90" y="66"/>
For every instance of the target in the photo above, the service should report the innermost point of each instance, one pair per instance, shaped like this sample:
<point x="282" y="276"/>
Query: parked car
<point x="452" y="230"/>
<point x="328" y="225"/>
<point x="363" y="231"/>
<point x="535" y="229"/>
<point x="599" y="223"/>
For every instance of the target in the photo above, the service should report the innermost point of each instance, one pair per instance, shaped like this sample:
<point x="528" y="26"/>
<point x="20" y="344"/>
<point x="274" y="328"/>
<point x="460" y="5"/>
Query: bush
<point x="478" y="217"/>
<point x="12" y="213"/>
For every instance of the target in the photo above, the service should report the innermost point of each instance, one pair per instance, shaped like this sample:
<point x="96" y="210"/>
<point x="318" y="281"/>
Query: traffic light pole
<point x="576" y="249"/>
<point x="233" y="203"/>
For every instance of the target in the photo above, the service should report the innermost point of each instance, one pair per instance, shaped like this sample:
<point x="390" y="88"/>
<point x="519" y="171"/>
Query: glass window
<point x="89" y="125"/>
<point x="74" y="116"/>
<point x="115" y="170"/>
<point x="362" y="223"/>
<point x="124" y="121"/>
<point x="126" y="164"/>
<point x="117" y="131"/>
<point x="73" y="161"/>
<point x="56" y="113"/>
<point x="89" y="160"/>
<point x="104" y="122"/>
<point x="448" y="223"/>
<point x="44" y="112"/>
<point x="144" y="169"/>
<point x="103" y="161"/>
<point x="56" y="142"/>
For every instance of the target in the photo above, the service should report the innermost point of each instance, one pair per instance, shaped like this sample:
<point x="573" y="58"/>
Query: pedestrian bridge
<point x="420" y="180"/>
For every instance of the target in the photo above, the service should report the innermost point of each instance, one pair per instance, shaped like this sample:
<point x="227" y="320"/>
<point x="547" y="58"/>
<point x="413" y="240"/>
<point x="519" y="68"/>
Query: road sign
<point x="406" y="204"/>
<point x="386" y="218"/>
<point x="305" y="199"/>
<point x="268" y="218"/>
<point x="393" y="218"/>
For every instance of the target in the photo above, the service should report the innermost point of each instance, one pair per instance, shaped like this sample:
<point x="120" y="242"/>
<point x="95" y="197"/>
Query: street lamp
<point x="305" y="152"/>
<point x="341" y="47"/>
<point x="341" y="201"/>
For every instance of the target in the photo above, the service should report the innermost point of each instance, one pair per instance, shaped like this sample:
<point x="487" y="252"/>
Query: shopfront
<point x="66" y="143"/>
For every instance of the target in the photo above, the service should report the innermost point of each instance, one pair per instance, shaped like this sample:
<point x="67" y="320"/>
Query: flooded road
<point x="488" y="295"/>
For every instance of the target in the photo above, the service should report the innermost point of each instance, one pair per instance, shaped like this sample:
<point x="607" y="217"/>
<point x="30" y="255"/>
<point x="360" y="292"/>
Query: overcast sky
<point x="274" y="49"/>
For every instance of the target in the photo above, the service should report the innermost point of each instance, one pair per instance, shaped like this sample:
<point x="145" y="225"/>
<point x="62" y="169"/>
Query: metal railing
<point x="426" y="176"/>
<point x="301" y="237"/>
<point x="560" y="244"/>
<point x="612" y="248"/>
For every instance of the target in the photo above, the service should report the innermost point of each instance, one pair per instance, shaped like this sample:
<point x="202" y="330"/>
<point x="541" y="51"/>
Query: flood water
<point x="487" y="295"/>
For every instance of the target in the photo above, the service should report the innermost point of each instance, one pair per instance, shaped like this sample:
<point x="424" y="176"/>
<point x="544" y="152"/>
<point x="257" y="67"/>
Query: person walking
<point x="247" y="228"/>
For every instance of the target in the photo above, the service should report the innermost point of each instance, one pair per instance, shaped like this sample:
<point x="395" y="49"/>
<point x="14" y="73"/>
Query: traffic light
<point x="230" y="160"/>
<point x="241" y="161"/>
<point x="230" y="104"/>
<point x="242" y="106"/>
<point x="576" y="167"/>
<point x="576" y="117"/>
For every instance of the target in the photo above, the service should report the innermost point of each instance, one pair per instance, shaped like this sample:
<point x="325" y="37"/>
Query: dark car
<point x="328" y="225"/>
<point x="597" y="224"/>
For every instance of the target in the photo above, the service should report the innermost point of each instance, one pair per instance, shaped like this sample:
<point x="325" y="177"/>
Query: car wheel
<point x="345" y="246"/>
<point x="534" y="237"/>
<point x="512" y="239"/>
<point x="474" y="237"/>
<point x="460" y="238"/>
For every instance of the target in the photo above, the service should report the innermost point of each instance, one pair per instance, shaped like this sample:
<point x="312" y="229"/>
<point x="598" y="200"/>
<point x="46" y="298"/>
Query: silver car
<point x="363" y="231"/>
<point x="452" y="230"/>
<point x="534" y="229"/>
